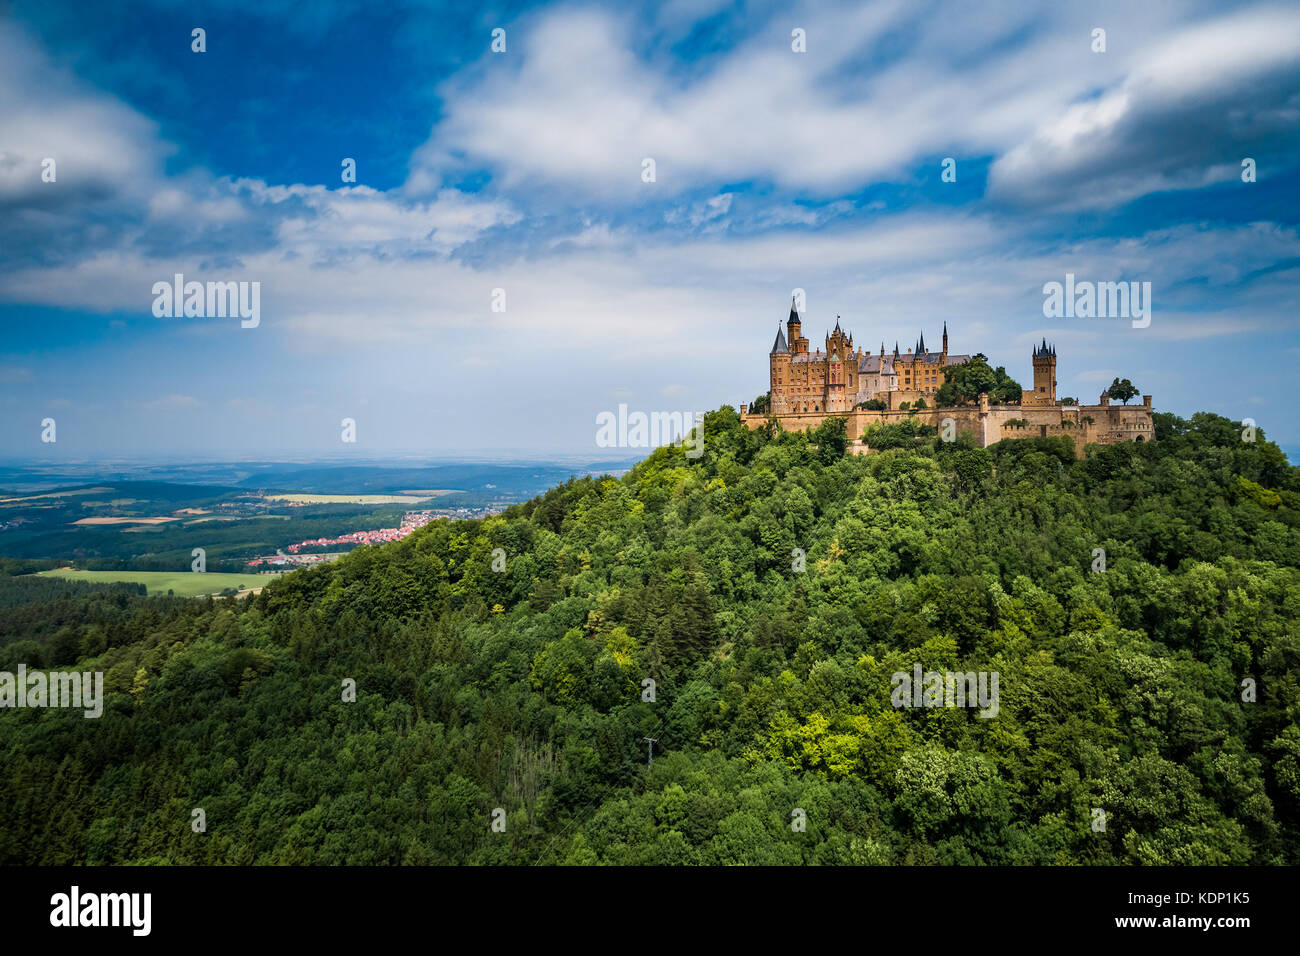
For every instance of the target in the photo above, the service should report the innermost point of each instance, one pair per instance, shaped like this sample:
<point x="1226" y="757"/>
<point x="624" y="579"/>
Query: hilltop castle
<point x="806" y="387"/>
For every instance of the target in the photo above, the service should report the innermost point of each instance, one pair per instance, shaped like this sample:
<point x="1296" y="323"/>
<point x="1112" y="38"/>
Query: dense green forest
<point x="769" y="589"/>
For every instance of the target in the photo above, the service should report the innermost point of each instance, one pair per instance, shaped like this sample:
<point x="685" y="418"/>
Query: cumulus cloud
<point x="1182" y="118"/>
<point x="112" y="198"/>
<point x="879" y="89"/>
<point x="102" y="149"/>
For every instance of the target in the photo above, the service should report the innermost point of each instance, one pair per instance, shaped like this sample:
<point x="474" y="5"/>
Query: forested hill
<point x="1122" y="675"/>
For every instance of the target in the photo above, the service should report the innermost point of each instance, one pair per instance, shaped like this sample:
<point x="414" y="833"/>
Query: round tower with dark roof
<point x="779" y="373"/>
<point x="1044" y="392"/>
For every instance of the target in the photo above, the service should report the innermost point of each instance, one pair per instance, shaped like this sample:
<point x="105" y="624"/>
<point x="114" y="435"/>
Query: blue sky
<point x="522" y="171"/>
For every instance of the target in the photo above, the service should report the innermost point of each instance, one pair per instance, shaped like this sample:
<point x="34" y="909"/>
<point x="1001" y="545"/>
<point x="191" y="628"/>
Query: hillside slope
<point x="524" y="689"/>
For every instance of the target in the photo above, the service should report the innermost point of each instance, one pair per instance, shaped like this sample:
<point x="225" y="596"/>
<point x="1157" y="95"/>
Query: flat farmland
<point x="347" y="499"/>
<point x="180" y="583"/>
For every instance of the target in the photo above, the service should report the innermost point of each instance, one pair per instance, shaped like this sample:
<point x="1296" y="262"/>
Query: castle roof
<point x="875" y="365"/>
<point x="779" y="345"/>
<point x="934" y="358"/>
<point x="1041" y="351"/>
<point x="794" y="313"/>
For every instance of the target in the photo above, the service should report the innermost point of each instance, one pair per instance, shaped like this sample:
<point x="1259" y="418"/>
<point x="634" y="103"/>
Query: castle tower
<point x="794" y="333"/>
<point x="841" y="371"/>
<point x="1044" y="392"/>
<point x="778" y="381"/>
<point x="945" y="342"/>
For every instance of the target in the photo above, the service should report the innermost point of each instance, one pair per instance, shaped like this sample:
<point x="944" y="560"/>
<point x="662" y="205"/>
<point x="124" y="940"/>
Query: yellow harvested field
<point x="346" y="499"/>
<point x="156" y="520"/>
<point x="243" y="518"/>
<point x="429" y="492"/>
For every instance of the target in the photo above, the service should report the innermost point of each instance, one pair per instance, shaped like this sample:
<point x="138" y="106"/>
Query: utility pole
<point x="651" y="741"/>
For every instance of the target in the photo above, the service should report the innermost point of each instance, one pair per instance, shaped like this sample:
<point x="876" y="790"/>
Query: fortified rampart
<point x="1102" y="424"/>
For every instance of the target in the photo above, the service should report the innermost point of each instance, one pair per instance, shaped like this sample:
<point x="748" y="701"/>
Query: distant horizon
<point x="399" y="459"/>
<point x="532" y="458"/>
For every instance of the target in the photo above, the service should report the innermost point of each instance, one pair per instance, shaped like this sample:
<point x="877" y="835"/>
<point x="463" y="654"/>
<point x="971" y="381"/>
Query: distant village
<point x="411" y="522"/>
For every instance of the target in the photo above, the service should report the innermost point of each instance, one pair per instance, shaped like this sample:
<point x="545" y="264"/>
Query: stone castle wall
<point x="989" y="424"/>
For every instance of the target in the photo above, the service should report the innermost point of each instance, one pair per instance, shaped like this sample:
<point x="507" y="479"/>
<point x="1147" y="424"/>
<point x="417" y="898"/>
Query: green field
<point x="180" y="583"/>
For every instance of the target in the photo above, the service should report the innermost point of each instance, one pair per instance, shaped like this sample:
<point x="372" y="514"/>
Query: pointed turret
<point x="794" y="330"/>
<point x="779" y="345"/>
<point x="1044" y="392"/>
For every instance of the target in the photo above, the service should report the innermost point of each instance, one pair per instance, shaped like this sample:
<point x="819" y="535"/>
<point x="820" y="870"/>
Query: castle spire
<point x="920" y="346"/>
<point x="779" y="346"/>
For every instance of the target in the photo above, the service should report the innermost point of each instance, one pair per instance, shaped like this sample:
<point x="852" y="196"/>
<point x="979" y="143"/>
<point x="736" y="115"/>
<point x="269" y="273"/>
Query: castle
<point x="807" y="387"/>
<point x="838" y="379"/>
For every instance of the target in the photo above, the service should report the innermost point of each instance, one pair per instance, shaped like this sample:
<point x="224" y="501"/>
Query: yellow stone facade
<point x="838" y="377"/>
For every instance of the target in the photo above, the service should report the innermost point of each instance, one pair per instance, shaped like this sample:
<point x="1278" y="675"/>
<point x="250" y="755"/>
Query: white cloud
<point x="1171" y="121"/>
<point x="590" y="106"/>
<point x="111" y="191"/>
<point x="365" y="217"/>
<point x="102" y="149"/>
